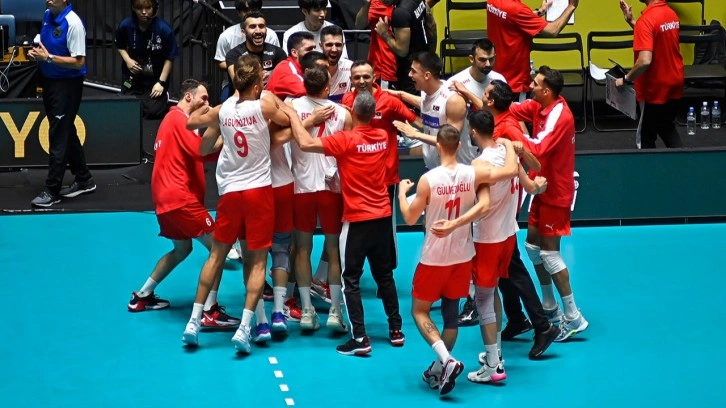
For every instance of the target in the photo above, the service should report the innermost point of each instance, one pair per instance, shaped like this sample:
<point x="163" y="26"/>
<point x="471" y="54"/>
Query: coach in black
<point x="61" y="57"/>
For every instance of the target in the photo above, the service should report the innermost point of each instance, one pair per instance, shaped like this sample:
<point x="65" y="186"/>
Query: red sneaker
<point x="148" y="302"/>
<point x="292" y="310"/>
<point x="217" y="318"/>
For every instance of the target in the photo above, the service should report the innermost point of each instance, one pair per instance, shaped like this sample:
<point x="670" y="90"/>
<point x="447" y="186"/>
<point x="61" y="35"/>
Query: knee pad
<point x="485" y="305"/>
<point x="281" y="250"/>
<point x="450" y="313"/>
<point x="553" y="262"/>
<point x="533" y="252"/>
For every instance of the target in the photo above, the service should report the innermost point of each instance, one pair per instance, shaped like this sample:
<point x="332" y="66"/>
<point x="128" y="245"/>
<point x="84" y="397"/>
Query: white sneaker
<point x="432" y="375"/>
<point x="191" y="333"/>
<point x="335" y="321"/>
<point x="232" y="255"/>
<point x="452" y="369"/>
<point x="241" y="339"/>
<point x="309" y="319"/>
<point x="483" y="358"/>
<point x="488" y="374"/>
<point x="554" y="315"/>
<point x="569" y="328"/>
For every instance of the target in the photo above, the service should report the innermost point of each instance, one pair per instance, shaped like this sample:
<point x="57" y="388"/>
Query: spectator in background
<point x="314" y="21"/>
<point x="380" y="55"/>
<point x="148" y="48"/>
<point x="234" y="36"/>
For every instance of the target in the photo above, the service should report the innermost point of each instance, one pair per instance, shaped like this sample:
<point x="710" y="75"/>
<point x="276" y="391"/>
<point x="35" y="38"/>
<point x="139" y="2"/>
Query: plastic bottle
<point x="691" y="122"/>
<point x="716" y="116"/>
<point x="705" y="115"/>
<point x="532" y="71"/>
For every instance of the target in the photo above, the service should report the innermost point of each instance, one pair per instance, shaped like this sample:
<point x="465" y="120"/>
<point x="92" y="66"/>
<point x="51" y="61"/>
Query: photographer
<point x="148" y="47"/>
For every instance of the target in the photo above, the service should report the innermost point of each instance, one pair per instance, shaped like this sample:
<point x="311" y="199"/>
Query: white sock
<point x="247" y="317"/>
<point x="321" y="273"/>
<point x="571" y="311"/>
<point x="279" y="298"/>
<point x="548" y="297"/>
<point x="472" y="289"/>
<point x="148" y="287"/>
<point x="336" y="295"/>
<point x="197" y="311"/>
<point x="492" y="354"/>
<point x="441" y="350"/>
<point x="260" y="312"/>
<point x="305" y="297"/>
<point x="211" y="300"/>
<point x="499" y="342"/>
<point x="290" y="290"/>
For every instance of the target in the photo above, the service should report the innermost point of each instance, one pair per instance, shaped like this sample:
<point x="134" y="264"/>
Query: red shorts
<point x="190" y="221"/>
<point x="550" y="220"/>
<point x="491" y="261"/>
<point x="324" y="205"/>
<point x="246" y="215"/>
<point x="431" y="283"/>
<point x="283" y="207"/>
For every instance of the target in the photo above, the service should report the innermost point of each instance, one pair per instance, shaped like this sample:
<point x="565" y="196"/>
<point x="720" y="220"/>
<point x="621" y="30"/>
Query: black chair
<point x="701" y="2"/>
<point x="451" y="48"/>
<point x="568" y="43"/>
<point x="704" y="75"/>
<point x="606" y="41"/>
<point x="459" y="41"/>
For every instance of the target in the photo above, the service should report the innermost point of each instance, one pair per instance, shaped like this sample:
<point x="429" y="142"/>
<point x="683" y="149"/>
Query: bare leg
<point x="167" y="263"/>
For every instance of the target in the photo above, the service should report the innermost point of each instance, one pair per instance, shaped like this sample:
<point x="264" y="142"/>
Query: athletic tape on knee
<point x="281" y="250"/>
<point x="553" y="262"/>
<point x="450" y="313"/>
<point x="533" y="252"/>
<point x="485" y="305"/>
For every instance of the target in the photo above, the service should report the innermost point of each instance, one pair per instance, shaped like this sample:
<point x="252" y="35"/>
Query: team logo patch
<point x="57" y="32"/>
<point x="343" y="86"/>
<point x="267" y="64"/>
<point x="436" y="108"/>
<point x="379" y="115"/>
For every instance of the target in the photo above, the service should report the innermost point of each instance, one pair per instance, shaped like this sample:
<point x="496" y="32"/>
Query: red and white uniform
<point x="286" y="80"/>
<point x="380" y="54"/>
<point x="433" y="114"/>
<point x="340" y="81"/>
<point x="511" y="25"/>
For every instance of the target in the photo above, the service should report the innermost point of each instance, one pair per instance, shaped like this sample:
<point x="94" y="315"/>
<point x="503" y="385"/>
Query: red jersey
<point x="507" y="126"/>
<point x="658" y="30"/>
<point x="553" y="145"/>
<point x="511" y="26"/>
<point x="380" y="54"/>
<point x="360" y="154"/>
<point x="178" y="175"/>
<point x="388" y="109"/>
<point x="286" y="80"/>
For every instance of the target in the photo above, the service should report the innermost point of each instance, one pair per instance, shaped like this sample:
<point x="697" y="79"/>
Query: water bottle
<point x="532" y="71"/>
<point x="691" y="122"/>
<point x="716" y="116"/>
<point x="705" y="114"/>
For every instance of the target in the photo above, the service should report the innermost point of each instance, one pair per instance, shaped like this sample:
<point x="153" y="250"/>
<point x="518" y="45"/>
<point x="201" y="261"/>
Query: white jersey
<point x="244" y="162"/>
<point x="232" y="37"/>
<point x="309" y="169"/>
<point x="281" y="173"/>
<point x="433" y="114"/>
<point x="301" y="27"/>
<point x="500" y="222"/>
<point x="340" y="82"/>
<point x="452" y="194"/>
<point x="468" y="152"/>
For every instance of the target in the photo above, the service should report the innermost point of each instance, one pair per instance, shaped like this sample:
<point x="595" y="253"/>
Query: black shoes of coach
<point x="469" y="316"/>
<point x="45" y="199"/>
<point x="514" y="328"/>
<point x="78" y="188"/>
<point x="542" y="341"/>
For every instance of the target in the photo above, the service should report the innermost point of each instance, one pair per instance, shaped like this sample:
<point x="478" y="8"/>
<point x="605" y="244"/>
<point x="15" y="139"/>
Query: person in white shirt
<point x="332" y="42"/>
<point x="314" y="21"/>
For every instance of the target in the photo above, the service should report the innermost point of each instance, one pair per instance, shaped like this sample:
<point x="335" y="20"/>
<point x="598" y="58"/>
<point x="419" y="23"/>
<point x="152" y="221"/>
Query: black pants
<point x="659" y="120"/>
<point x="394" y="242"/>
<point x="372" y="240"/>
<point x="519" y="285"/>
<point x="61" y="99"/>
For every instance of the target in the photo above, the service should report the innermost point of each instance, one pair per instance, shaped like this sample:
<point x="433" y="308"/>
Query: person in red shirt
<point x="177" y="189"/>
<point x="553" y="144"/>
<point x="657" y="73"/>
<point x="367" y="228"/>
<point x="380" y="55"/>
<point x="286" y="79"/>
<point x="511" y="25"/>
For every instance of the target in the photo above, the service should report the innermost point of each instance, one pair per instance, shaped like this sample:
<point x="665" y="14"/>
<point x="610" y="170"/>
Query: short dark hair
<point x="501" y="94"/>
<point x="483" y="44"/>
<point x="297" y="38"/>
<point x="448" y="137"/>
<point x="252" y="14"/>
<point x="312" y="4"/>
<point x="482" y="121"/>
<point x="191" y="85"/>
<point x="246" y="5"/>
<point x="315" y="80"/>
<point x="309" y="59"/>
<point x="430" y="61"/>
<point x="359" y="62"/>
<point x="331" y="30"/>
<point x="552" y="78"/>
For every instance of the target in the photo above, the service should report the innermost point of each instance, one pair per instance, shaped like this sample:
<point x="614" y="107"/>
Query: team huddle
<point x="312" y="140"/>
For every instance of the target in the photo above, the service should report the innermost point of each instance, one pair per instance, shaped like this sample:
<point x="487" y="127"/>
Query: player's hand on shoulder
<point x="322" y="113"/>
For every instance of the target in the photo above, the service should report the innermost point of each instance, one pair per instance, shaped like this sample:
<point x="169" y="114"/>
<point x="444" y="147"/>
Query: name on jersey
<point x="333" y="117"/>
<point x="670" y="26"/>
<point x="496" y="11"/>
<point x="420" y="10"/>
<point x="372" y="147"/>
<point x="240" y="122"/>
<point x="455" y="189"/>
<point x="430" y="121"/>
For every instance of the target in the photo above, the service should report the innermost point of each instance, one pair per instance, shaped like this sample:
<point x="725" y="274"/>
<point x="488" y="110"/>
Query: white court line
<point x="289" y="401"/>
<point x="272" y="360"/>
<point x="278" y="374"/>
<point x="284" y="388"/>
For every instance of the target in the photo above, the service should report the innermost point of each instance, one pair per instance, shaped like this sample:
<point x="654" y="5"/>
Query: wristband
<point x="627" y="81"/>
<point x="162" y="83"/>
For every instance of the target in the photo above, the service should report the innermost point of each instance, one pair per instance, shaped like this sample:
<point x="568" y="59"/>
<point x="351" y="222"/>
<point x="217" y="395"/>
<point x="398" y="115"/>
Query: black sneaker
<point x="542" y="341"/>
<point x="355" y="348"/>
<point x="469" y="316"/>
<point x="77" y="188"/>
<point x="45" y="199"/>
<point x="148" y="302"/>
<point x="515" y="328"/>
<point x="396" y="337"/>
<point x="268" y="295"/>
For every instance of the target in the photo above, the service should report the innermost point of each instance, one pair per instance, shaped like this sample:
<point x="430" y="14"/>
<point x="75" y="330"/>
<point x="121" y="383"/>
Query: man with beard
<point x="332" y="42"/>
<point x="314" y="21"/>
<point x="286" y="78"/>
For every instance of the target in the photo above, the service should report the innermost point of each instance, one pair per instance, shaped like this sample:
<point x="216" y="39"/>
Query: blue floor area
<point x="653" y="296"/>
